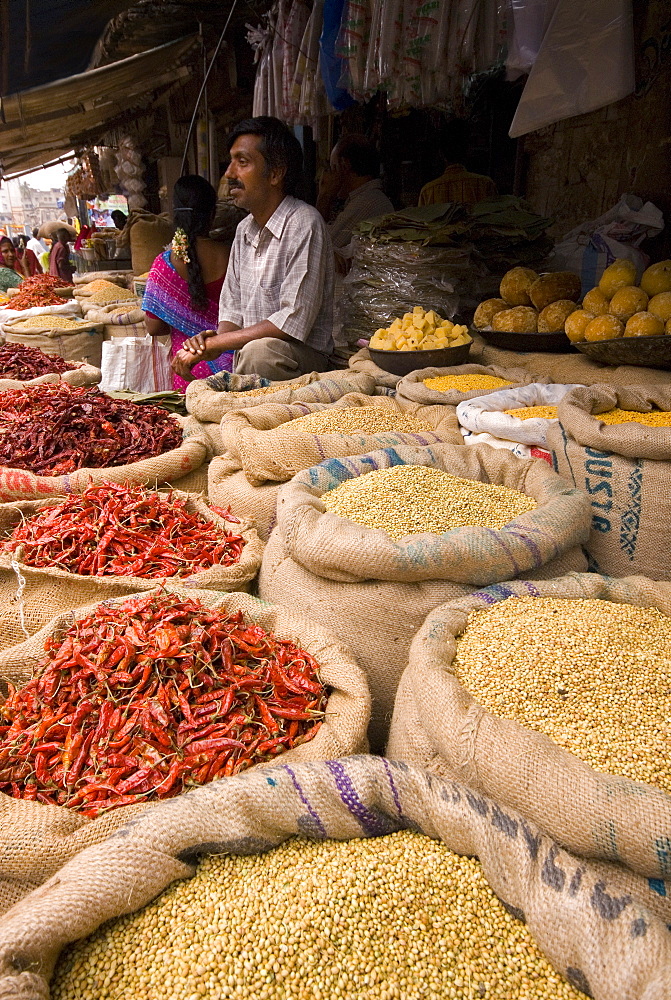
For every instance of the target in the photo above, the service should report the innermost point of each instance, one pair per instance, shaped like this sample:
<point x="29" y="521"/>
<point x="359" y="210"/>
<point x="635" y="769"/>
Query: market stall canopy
<point x="37" y="125"/>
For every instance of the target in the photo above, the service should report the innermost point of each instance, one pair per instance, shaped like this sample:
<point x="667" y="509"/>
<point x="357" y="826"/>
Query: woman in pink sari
<point x="184" y="283"/>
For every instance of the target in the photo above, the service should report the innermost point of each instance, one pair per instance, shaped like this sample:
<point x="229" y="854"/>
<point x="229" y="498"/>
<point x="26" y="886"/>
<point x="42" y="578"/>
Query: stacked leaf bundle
<point x="142" y="698"/>
<point x="56" y="429"/>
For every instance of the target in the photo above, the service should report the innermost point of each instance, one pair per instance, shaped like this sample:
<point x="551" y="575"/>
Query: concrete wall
<point x="578" y="168"/>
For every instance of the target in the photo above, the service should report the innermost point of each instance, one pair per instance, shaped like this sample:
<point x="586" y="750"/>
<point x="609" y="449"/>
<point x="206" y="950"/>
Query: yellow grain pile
<point x="357" y="420"/>
<point x="394" y="918"/>
<point x="51" y="323"/>
<point x="465" y="383"/>
<point x="409" y="499"/>
<point x="656" y="418"/>
<point x="593" y="675"/>
<point x="528" y="412"/>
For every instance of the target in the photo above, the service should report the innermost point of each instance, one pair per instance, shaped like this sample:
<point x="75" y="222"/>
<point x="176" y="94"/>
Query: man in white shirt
<point x="353" y="176"/>
<point x="276" y="306"/>
<point x="37" y="246"/>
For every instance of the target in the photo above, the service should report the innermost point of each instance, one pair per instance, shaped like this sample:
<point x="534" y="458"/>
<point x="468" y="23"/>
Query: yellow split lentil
<point x="655" y="418"/>
<point x="465" y="383"/>
<point x="528" y="412"/>
<point x="357" y="420"/>
<point x="409" y="499"/>
<point x="399" y="917"/>
<point x="593" y="675"/>
<point x="51" y="322"/>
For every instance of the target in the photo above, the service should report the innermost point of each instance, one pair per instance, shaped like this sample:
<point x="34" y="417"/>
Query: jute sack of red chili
<point x="238" y="680"/>
<point x="111" y="540"/>
<point x="22" y="365"/>
<point x="57" y="439"/>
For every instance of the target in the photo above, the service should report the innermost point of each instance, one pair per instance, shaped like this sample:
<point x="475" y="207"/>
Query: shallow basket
<point x="643" y="352"/>
<point x="404" y="362"/>
<point x="552" y="343"/>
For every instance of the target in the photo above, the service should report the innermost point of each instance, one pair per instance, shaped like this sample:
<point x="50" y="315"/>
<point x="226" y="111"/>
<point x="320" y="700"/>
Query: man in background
<point x="36" y="245"/>
<point x="353" y="177"/>
<point x="456" y="183"/>
<point x="59" y="258"/>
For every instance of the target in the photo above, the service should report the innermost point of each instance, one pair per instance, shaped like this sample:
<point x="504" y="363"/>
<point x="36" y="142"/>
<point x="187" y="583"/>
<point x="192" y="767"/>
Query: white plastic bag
<point x="588" y="249"/>
<point x="486" y="414"/>
<point x="586" y="61"/>
<point x="136" y="364"/>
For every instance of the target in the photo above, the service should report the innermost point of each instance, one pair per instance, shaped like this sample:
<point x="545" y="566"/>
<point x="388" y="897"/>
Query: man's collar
<point x="373" y="185"/>
<point x="277" y="220"/>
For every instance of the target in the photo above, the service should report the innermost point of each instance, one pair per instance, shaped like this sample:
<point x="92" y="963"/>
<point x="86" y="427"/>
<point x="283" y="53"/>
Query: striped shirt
<point x="459" y="185"/>
<point x="283" y="273"/>
<point x="365" y="202"/>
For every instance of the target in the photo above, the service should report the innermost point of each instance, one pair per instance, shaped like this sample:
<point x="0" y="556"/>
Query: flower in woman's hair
<point x="180" y="245"/>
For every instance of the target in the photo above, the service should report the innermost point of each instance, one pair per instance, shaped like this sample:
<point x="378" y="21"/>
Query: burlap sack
<point x="204" y="401"/>
<point x="266" y="451"/>
<point x="70" y="308"/>
<point x="438" y="725"/>
<point x="83" y="344"/>
<point x="35" y="839"/>
<point x="83" y="374"/>
<point x="116" y="277"/>
<point x="192" y="482"/>
<point x="590" y="919"/>
<point x="379" y="590"/>
<point x="227" y="486"/>
<point x="17" y="484"/>
<point x="362" y="362"/>
<point x="30" y="597"/>
<point x="626" y="470"/>
<point x="567" y="367"/>
<point x="412" y="386"/>
<point x="148" y="238"/>
<point x="120" y="320"/>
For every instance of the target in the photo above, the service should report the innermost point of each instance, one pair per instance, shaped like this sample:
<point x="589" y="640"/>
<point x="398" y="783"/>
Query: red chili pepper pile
<point x="147" y="697"/>
<point x="38" y="291"/>
<point x="21" y="362"/>
<point x="116" y="530"/>
<point x="50" y="430"/>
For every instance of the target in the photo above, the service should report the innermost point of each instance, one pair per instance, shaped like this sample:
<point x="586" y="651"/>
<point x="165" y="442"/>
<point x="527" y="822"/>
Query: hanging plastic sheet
<point x="331" y="65"/>
<point x="586" y="61"/>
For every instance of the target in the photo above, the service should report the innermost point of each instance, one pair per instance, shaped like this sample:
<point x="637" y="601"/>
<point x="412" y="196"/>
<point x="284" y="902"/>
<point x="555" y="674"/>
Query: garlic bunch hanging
<point x="130" y="173"/>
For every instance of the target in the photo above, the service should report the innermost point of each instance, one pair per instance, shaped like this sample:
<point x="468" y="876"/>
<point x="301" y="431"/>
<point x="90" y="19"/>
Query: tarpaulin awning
<point x="39" y="124"/>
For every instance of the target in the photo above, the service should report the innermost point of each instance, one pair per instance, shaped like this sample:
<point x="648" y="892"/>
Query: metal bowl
<point x="551" y="343"/>
<point x="404" y="362"/>
<point x="643" y="352"/>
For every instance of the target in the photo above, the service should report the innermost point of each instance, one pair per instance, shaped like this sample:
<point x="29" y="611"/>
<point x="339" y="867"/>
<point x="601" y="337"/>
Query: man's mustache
<point x="234" y="186"/>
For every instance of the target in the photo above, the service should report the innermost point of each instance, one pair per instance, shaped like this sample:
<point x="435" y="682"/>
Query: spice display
<point x="20" y="362"/>
<point x="121" y="530"/>
<point x="112" y="293"/>
<point x="618" y="307"/>
<point x="419" y="331"/>
<point x="408" y="499"/>
<point x="146" y="697"/>
<point x="465" y="383"/>
<point x="32" y="297"/>
<point x="50" y="430"/>
<point x="529" y="412"/>
<point x="592" y="675"/>
<point x="357" y="420"/>
<point x="394" y="916"/>
<point x="655" y="418"/>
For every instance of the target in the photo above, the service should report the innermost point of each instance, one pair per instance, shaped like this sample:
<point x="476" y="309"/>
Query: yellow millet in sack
<point x="465" y="383"/>
<point x="50" y="323"/>
<point x="656" y="418"/>
<point x="357" y="420"/>
<point x="398" y="916"/>
<point x="409" y="499"/>
<point x="592" y="675"/>
<point x="263" y="391"/>
<point x="528" y="412"/>
<point x="113" y="293"/>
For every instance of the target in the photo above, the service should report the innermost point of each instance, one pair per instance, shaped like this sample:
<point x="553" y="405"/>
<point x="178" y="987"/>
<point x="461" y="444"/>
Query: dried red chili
<point x="50" y="430"/>
<point x="22" y="362"/>
<point x="124" y="530"/>
<point x="145" y="698"/>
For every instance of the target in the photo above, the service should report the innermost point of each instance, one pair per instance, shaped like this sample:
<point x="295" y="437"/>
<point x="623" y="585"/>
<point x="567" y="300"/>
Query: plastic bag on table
<point x="134" y="364"/>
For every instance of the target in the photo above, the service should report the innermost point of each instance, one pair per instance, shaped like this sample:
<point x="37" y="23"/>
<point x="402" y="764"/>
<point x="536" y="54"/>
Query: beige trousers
<point x="279" y="360"/>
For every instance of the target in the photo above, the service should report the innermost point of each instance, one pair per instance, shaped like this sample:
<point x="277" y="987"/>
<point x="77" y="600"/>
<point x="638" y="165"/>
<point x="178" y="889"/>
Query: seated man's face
<point x="251" y="181"/>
